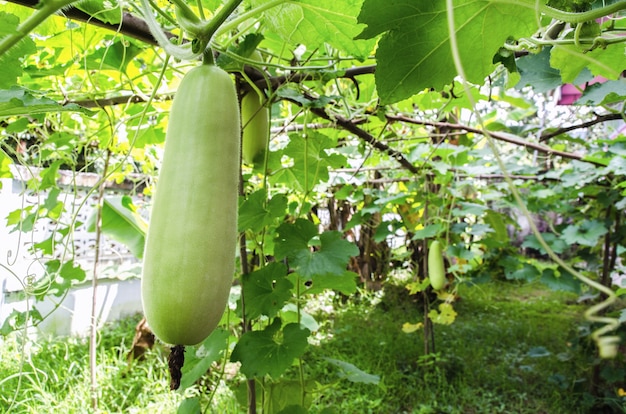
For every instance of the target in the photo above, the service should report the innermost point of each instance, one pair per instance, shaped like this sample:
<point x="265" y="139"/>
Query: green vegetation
<point x="514" y="348"/>
<point x="399" y="124"/>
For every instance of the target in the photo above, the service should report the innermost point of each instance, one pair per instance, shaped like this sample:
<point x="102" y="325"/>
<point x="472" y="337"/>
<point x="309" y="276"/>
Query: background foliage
<point x="393" y="123"/>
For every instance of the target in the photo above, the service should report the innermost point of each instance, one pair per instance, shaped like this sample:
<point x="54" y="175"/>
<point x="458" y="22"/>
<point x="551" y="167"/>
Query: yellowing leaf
<point x="445" y="316"/>
<point x="411" y="327"/>
<point x="415" y="287"/>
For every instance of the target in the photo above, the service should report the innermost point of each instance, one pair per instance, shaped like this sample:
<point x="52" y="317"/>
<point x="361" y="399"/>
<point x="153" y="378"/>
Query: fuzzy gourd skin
<point x="436" y="268"/>
<point x="189" y="259"/>
<point x="255" y="121"/>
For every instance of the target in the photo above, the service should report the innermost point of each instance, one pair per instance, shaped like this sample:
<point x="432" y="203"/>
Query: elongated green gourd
<point x="190" y="249"/>
<point x="436" y="269"/>
<point x="255" y="120"/>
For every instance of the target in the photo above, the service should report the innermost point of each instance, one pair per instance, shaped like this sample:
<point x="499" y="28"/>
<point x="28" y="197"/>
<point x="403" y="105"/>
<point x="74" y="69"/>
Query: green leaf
<point x="610" y="92"/>
<point x="254" y="214"/>
<point x="189" y="406"/>
<point x="526" y="273"/>
<point x="47" y="246"/>
<point x="570" y="61"/>
<point x="291" y="314"/>
<point x="49" y="176"/>
<point x="270" y="351"/>
<point x="121" y="222"/>
<point x="71" y="271"/>
<point x="352" y="373"/>
<point x="310" y="256"/>
<point x="285" y="396"/>
<point x="346" y="283"/>
<point x="17" y="101"/>
<point x="310" y="161"/>
<point x="293" y="409"/>
<point x="17" y="320"/>
<point x="316" y="22"/>
<point x="428" y="232"/>
<point x="537" y="72"/>
<point x="117" y="56"/>
<point x="415" y="51"/>
<point x="103" y="10"/>
<point x="5" y="166"/>
<point x="11" y="60"/>
<point x="22" y="219"/>
<point x="58" y="278"/>
<point x="498" y="223"/>
<point x="198" y="359"/>
<point x="293" y="238"/>
<point x="553" y="241"/>
<point x="585" y="233"/>
<point x="266" y="290"/>
<point x="562" y="281"/>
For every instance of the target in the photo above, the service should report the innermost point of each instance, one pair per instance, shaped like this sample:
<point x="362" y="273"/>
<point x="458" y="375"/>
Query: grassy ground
<point x="512" y="349"/>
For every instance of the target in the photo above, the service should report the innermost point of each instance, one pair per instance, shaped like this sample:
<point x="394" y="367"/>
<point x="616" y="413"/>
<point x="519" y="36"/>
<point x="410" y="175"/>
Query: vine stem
<point x="93" y="328"/>
<point x="568" y="17"/>
<point x="591" y="313"/>
<point x="47" y="9"/>
<point x="221" y="16"/>
<point x="245" y="16"/>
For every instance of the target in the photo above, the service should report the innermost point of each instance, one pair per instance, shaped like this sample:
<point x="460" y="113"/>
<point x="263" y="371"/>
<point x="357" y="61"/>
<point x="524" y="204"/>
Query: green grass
<point x="512" y="349"/>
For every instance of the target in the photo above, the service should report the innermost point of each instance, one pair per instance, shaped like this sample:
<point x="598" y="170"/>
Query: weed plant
<point x="512" y="349"/>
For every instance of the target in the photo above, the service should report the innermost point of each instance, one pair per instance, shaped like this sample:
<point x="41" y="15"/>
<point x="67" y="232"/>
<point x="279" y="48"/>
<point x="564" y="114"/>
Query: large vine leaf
<point x="586" y="233"/>
<point x="415" y="51"/>
<point x="310" y="254"/>
<point x="570" y="61"/>
<point x="17" y="101"/>
<point x="536" y="71"/>
<point x="266" y="290"/>
<point x="315" y="22"/>
<point x="255" y="212"/>
<point x="270" y="351"/>
<point x="121" y="222"/>
<point x="293" y="237"/>
<point x="310" y="161"/>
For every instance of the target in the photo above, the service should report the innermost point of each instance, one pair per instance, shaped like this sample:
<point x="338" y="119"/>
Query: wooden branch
<point x="273" y="82"/>
<point x="486" y="177"/>
<point x="117" y="100"/>
<point x="348" y="125"/>
<point x="510" y="138"/>
<point x="597" y="120"/>
<point x="131" y="25"/>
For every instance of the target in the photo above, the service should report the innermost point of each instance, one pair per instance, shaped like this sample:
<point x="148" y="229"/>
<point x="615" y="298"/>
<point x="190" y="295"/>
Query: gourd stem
<point x="221" y="16"/>
<point x="207" y="57"/>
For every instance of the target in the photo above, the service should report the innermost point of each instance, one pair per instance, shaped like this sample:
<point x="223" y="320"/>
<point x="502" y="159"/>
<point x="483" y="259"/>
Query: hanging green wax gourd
<point x="255" y="118"/>
<point x="189" y="259"/>
<point x="436" y="267"/>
